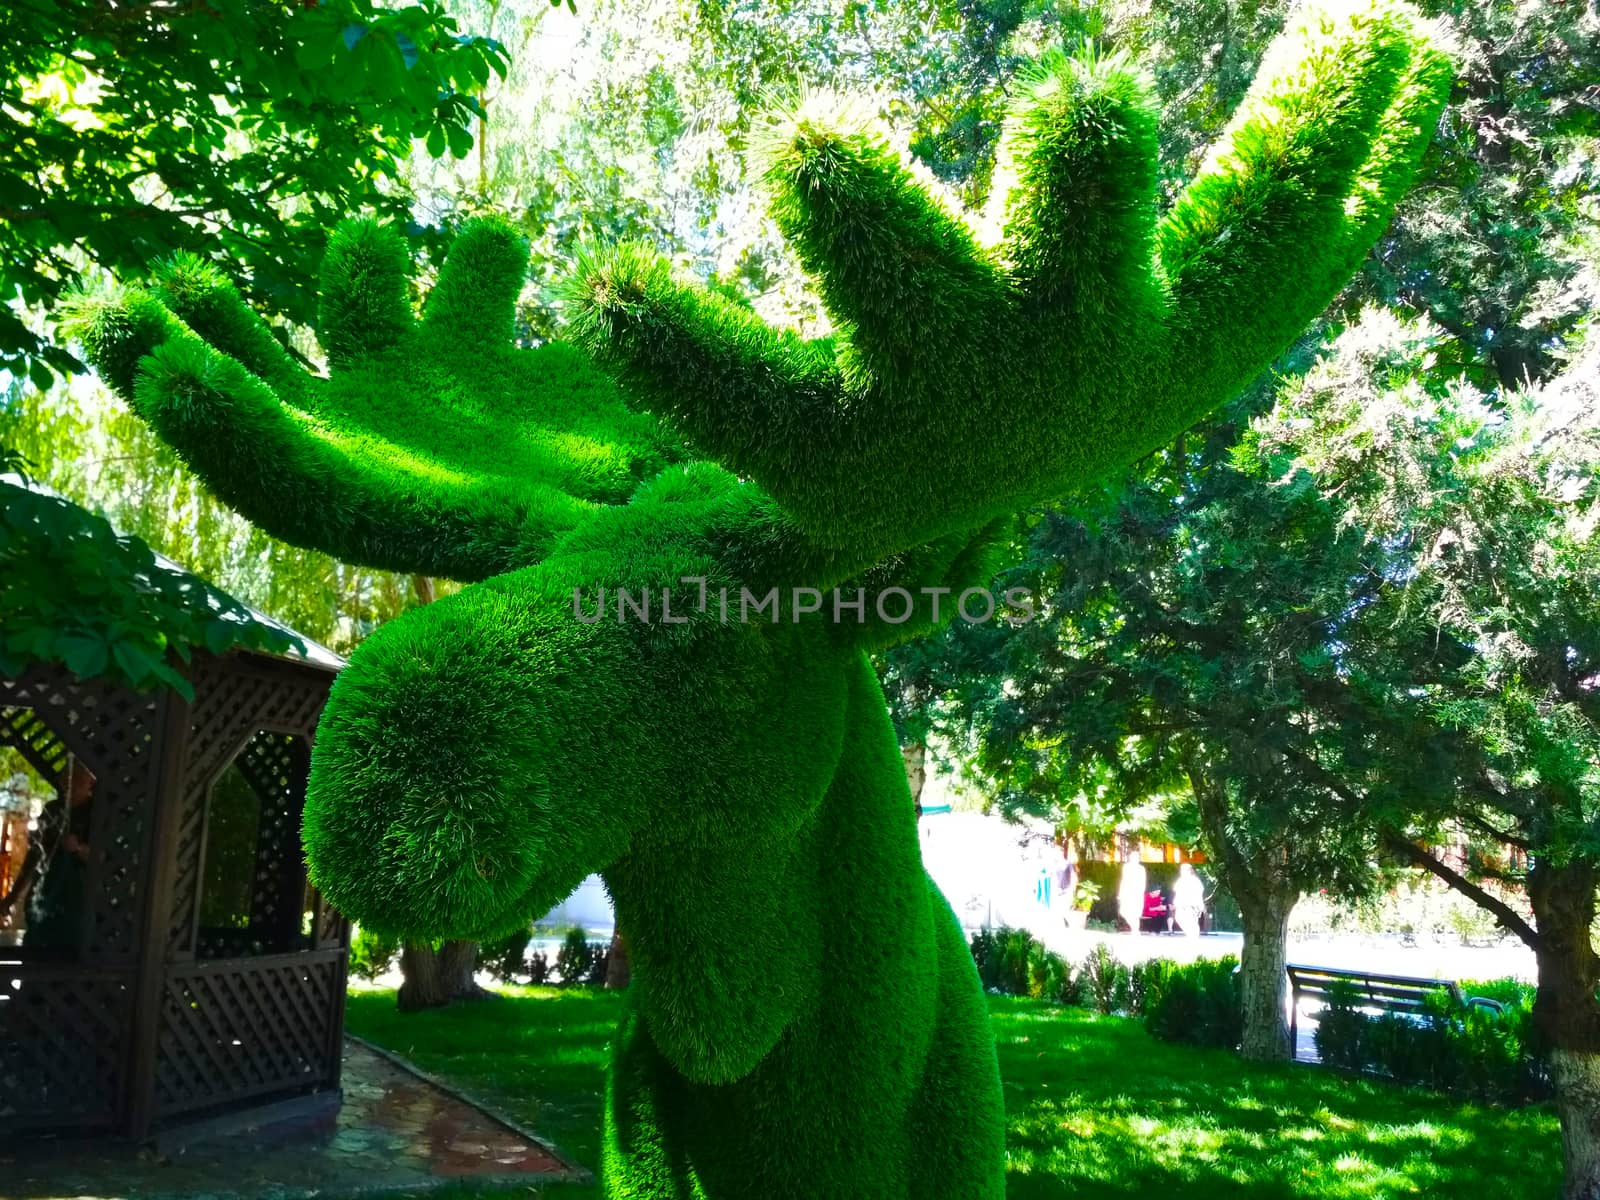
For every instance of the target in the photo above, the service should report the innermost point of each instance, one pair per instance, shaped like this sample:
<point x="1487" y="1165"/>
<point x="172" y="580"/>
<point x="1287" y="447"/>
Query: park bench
<point x="1402" y="994"/>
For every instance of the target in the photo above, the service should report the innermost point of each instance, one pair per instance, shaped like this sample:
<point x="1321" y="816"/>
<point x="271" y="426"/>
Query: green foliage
<point x="1105" y="981"/>
<point x="101" y="456"/>
<point x="235" y="128"/>
<point x="1005" y="959"/>
<point x="77" y="594"/>
<point x="232" y="836"/>
<point x="1498" y="245"/>
<point x="576" y="958"/>
<point x="1453" y="1046"/>
<point x="1197" y="1003"/>
<point x="538" y="967"/>
<point x="507" y="958"/>
<point x="372" y="954"/>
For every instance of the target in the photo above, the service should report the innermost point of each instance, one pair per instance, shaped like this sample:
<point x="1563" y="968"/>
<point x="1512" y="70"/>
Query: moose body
<point x="892" y="991"/>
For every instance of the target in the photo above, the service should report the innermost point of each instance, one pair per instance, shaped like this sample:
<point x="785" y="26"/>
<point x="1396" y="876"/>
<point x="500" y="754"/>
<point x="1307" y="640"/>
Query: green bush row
<point x="507" y="959"/>
<point x="1451" y="1046"/>
<point x="1196" y="1003"/>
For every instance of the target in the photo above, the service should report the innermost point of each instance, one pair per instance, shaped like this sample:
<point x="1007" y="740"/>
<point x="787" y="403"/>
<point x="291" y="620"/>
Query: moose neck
<point x="730" y="952"/>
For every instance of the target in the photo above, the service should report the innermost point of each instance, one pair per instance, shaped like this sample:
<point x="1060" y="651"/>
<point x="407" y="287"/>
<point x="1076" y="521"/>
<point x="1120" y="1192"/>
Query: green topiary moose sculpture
<point x="804" y="1018"/>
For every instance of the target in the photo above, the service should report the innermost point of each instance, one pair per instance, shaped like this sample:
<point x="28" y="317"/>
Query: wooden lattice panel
<point x="232" y="704"/>
<point x="111" y="730"/>
<point x="276" y="766"/>
<point x="63" y="1036"/>
<point x="248" y="1028"/>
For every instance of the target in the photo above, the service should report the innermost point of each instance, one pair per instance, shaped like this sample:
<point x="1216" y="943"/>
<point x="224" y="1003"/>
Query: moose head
<point x="736" y="779"/>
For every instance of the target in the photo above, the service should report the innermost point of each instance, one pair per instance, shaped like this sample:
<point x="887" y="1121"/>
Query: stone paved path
<point x="398" y="1132"/>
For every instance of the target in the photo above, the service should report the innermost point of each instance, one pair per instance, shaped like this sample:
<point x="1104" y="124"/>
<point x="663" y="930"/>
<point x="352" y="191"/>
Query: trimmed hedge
<point x="1451" y="1047"/>
<point x="1196" y="1003"/>
<point x="1454" y="1047"/>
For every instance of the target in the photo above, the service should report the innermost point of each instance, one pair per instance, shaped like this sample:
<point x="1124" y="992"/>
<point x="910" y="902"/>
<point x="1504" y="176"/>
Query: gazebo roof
<point x="309" y="651"/>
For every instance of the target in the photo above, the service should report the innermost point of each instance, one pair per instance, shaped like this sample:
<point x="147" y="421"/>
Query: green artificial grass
<point x="434" y="446"/>
<point x="804" y="1019"/>
<point x="1095" y="1107"/>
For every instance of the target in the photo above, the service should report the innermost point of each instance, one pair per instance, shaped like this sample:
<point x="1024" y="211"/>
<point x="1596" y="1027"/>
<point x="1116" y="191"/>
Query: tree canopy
<point x="236" y="128"/>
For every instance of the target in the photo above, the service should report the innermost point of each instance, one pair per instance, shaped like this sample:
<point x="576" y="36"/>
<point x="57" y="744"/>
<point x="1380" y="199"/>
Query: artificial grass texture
<point x="434" y="446"/>
<point x="1095" y="1107"/>
<point x="804" y="1011"/>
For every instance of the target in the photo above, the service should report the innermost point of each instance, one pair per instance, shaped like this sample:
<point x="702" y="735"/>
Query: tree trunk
<point x="1563" y="899"/>
<point x="617" y="970"/>
<point x="1259" y="882"/>
<point x="435" y="978"/>
<point x="916" y="760"/>
<point x="1576" y="1076"/>
<point x="1265" y="1035"/>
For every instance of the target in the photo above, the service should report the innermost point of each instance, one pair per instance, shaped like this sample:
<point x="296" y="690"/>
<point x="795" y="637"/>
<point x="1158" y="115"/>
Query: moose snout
<point x="458" y="785"/>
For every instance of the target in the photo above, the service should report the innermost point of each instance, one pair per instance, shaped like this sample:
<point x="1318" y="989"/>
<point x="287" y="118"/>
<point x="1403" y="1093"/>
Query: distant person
<point x="58" y="901"/>
<point x="1157" y="917"/>
<point x="1130" y="891"/>
<point x="1065" y="882"/>
<point x="1188" y="900"/>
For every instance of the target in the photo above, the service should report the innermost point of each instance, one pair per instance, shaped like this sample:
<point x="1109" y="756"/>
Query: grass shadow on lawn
<point x="1095" y="1107"/>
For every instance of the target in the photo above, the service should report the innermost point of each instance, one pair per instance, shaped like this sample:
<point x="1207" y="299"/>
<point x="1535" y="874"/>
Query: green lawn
<point x="1097" y="1107"/>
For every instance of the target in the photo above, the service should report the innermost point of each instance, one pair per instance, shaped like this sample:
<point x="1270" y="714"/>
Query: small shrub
<point x="599" y="961"/>
<point x="1340" y="1029"/>
<point x="1106" y="983"/>
<point x="575" y="958"/>
<point x="538" y="968"/>
<point x="1013" y="963"/>
<point x="1015" y="947"/>
<point x="1450" y="1046"/>
<point x="1198" y="1003"/>
<point x="985" y="956"/>
<point x="1072" y="990"/>
<point x="1049" y="976"/>
<point x="1513" y="993"/>
<point x="372" y="954"/>
<point x="505" y="957"/>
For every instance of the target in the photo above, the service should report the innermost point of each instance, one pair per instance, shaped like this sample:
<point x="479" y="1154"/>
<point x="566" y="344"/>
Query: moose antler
<point x="434" y="446"/>
<point x="963" y="383"/>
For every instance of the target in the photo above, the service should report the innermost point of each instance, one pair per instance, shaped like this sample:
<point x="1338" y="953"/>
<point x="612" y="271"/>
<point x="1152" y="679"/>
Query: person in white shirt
<point x="1130" y="891"/>
<point x="1188" y="900"/>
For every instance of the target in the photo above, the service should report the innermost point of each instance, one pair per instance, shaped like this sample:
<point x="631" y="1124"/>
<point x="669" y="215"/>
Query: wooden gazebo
<point x="200" y="976"/>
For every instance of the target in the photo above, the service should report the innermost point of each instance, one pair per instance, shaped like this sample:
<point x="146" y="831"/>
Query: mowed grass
<point x="1097" y="1108"/>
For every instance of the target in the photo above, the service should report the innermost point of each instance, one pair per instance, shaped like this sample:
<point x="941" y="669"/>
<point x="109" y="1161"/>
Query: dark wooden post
<point x="160" y="854"/>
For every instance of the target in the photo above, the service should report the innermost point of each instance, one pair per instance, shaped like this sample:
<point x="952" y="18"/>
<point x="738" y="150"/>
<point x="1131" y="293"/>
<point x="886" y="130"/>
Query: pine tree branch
<point x="1507" y="916"/>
